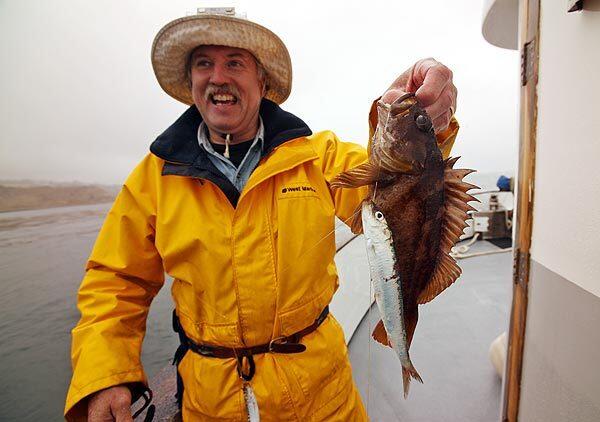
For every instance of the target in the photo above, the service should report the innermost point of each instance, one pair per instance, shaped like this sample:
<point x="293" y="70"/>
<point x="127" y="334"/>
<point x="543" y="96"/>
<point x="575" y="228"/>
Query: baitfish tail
<point x="408" y="373"/>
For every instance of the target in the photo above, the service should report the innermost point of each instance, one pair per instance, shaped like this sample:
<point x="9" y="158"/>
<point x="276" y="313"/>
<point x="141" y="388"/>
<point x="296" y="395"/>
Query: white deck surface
<point x="450" y="347"/>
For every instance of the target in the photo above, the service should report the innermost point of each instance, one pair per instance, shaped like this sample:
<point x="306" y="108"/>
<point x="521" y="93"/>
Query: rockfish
<point x="414" y="213"/>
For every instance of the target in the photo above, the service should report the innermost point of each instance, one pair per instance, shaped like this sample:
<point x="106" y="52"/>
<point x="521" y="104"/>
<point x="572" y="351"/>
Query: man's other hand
<point x="112" y="404"/>
<point x="431" y="82"/>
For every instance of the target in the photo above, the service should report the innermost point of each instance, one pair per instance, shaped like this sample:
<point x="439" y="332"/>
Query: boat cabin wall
<point x="560" y="361"/>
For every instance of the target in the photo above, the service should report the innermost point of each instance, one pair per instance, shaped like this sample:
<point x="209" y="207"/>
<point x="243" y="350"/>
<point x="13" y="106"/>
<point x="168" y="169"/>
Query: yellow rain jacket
<point x="247" y="267"/>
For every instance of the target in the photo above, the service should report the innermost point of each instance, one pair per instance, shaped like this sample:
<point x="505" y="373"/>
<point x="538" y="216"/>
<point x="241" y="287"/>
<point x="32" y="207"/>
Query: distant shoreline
<point x="38" y="196"/>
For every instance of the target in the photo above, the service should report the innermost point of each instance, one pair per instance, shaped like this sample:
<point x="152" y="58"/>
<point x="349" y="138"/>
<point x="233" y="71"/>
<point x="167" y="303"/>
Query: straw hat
<point x="176" y="40"/>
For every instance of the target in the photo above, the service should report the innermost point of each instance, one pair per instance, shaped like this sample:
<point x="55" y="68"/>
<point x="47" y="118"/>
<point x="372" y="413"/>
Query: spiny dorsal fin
<point x="459" y="184"/>
<point x="459" y="174"/>
<point x="450" y="161"/>
<point x="380" y="335"/>
<point x="365" y="174"/>
<point x="455" y="213"/>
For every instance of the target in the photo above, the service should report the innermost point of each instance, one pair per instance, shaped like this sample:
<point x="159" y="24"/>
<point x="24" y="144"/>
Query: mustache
<point x="212" y="89"/>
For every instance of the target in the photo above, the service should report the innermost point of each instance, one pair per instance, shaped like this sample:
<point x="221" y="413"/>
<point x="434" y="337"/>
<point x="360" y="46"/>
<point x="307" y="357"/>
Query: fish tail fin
<point x="407" y="374"/>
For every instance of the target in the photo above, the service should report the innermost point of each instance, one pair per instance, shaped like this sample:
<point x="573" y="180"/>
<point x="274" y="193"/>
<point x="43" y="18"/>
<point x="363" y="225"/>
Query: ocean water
<point x="42" y="257"/>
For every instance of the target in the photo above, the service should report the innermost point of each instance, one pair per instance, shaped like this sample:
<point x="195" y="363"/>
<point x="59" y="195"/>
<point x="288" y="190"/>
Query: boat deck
<point x="449" y="350"/>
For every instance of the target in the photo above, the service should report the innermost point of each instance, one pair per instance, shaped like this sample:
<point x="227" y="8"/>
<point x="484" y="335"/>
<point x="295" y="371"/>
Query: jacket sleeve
<point x="339" y="157"/>
<point x="342" y="156"/>
<point x="123" y="274"/>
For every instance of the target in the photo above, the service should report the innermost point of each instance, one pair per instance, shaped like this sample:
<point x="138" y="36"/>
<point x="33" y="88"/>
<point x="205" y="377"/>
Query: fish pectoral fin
<point x="356" y="226"/>
<point x="363" y="175"/>
<point x="380" y="335"/>
<point x="445" y="273"/>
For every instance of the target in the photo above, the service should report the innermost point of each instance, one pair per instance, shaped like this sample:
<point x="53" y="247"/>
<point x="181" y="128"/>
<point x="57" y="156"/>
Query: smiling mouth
<point x="223" y="99"/>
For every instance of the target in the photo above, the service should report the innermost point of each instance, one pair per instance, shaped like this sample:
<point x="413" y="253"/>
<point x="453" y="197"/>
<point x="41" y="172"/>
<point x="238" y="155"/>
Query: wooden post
<point x="529" y="42"/>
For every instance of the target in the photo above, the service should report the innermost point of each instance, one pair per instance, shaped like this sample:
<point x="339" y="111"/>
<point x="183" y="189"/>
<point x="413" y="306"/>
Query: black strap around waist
<point x="286" y="344"/>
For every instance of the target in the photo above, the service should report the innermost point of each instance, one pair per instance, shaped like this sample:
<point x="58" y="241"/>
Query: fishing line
<point x="371" y="281"/>
<point x="303" y="254"/>
<point x="204" y="302"/>
<point x="239" y="359"/>
<point x="369" y="343"/>
<point x="224" y="318"/>
<point x="219" y="314"/>
<point x="369" y="319"/>
<point x="345" y="221"/>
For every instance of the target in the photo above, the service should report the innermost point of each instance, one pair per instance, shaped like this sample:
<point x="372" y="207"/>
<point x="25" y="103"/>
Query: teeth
<point x="223" y="97"/>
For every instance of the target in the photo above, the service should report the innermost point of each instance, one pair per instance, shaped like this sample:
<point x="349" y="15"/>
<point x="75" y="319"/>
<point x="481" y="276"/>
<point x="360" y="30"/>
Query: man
<point x="234" y="203"/>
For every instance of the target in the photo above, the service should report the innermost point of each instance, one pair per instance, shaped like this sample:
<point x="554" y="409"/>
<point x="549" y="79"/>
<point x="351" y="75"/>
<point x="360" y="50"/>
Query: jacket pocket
<point x="211" y="387"/>
<point x="315" y="369"/>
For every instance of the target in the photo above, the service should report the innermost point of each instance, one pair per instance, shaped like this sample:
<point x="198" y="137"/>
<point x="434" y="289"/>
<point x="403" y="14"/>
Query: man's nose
<point x="219" y="75"/>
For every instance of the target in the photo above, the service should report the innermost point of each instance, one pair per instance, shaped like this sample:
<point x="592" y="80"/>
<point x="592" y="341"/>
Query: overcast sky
<point x="80" y="102"/>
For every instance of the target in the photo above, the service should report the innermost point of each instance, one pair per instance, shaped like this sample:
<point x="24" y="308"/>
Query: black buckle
<point x="203" y="350"/>
<point x="283" y="345"/>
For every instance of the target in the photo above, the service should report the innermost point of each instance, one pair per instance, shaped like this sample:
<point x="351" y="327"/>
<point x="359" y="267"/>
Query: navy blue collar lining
<point x="178" y="145"/>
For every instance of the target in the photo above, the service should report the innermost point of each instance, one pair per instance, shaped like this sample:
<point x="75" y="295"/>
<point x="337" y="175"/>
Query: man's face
<point x="226" y="89"/>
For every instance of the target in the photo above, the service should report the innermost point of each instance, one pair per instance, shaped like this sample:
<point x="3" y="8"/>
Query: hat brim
<point x="176" y="40"/>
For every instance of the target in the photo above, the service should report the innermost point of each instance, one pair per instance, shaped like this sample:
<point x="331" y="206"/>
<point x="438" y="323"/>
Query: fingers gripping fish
<point x="414" y="213"/>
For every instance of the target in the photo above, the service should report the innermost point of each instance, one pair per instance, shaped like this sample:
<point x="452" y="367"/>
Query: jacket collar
<point x="179" y="143"/>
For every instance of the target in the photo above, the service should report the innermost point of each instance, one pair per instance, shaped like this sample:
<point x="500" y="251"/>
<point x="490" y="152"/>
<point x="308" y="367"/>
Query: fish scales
<point x="415" y="211"/>
<point x="386" y="279"/>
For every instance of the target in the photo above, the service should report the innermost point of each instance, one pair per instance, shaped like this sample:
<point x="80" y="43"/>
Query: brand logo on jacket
<point x="298" y="189"/>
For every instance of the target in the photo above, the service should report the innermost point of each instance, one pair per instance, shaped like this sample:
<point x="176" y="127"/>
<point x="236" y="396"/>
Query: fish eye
<point x="379" y="215"/>
<point x="423" y="123"/>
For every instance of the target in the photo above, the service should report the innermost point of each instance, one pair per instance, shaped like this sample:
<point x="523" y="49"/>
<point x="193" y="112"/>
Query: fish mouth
<point x="367" y="206"/>
<point x="402" y="105"/>
<point x="395" y="159"/>
<point x="404" y="97"/>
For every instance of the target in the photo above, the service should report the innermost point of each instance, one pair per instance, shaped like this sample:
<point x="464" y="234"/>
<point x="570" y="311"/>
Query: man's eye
<point x="235" y="63"/>
<point x="202" y="63"/>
